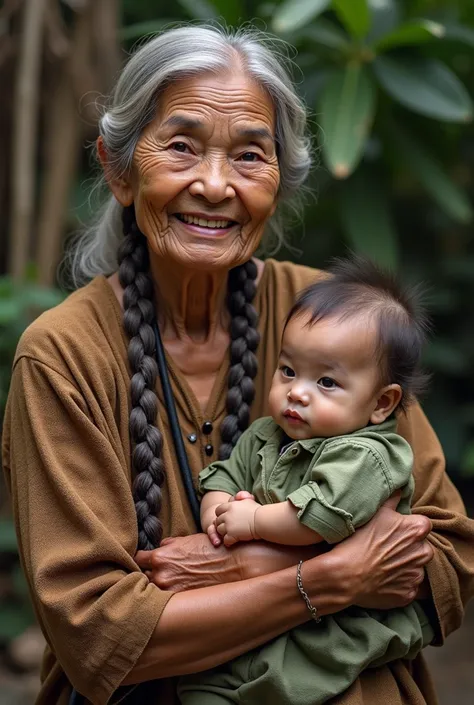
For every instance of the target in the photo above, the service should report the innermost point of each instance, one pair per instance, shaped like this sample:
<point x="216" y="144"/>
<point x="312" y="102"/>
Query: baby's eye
<point x="179" y="147"/>
<point x="249" y="157"/>
<point x="287" y="371"/>
<point x="327" y="383"/>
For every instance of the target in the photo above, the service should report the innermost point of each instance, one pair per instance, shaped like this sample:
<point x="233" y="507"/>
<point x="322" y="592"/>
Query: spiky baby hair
<point x="357" y="288"/>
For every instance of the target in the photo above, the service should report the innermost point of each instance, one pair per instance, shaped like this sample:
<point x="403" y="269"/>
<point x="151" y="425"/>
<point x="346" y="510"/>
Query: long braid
<point x="243" y="361"/>
<point x="138" y="318"/>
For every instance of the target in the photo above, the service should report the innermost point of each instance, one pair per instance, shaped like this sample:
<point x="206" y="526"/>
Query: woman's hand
<point x="382" y="564"/>
<point x="189" y="562"/>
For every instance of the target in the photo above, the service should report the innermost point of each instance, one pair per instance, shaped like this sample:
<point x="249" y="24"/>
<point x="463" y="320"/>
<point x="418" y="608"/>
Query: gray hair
<point x="181" y="53"/>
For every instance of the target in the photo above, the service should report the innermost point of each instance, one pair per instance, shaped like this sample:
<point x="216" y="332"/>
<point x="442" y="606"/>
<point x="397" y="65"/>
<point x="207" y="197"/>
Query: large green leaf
<point x="293" y="14"/>
<point x="460" y="33"/>
<point x="385" y="17"/>
<point x="425" y="86"/>
<point x="416" y="32"/>
<point x="325" y="33"/>
<point x="346" y="112"/>
<point x="354" y="15"/>
<point x="431" y="174"/>
<point x="367" y="220"/>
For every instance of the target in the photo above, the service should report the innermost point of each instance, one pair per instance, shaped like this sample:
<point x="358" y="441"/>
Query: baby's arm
<point x="247" y="520"/>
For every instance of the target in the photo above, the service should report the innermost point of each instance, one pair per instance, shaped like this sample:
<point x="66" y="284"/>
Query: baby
<point x="318" y="468"/>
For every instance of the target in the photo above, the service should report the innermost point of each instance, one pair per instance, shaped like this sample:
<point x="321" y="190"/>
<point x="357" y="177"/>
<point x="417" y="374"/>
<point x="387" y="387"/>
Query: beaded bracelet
<point x="304" y="595"/>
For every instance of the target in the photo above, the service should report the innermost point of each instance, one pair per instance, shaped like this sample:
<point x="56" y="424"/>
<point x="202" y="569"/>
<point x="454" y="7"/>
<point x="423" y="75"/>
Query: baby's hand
<point x="235" y="521"/>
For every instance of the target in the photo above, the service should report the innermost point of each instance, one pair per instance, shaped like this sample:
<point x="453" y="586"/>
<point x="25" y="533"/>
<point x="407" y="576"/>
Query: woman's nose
<point x="212" y="181"/>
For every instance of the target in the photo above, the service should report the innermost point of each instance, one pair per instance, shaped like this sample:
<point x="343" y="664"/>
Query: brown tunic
<point x="66" y="454"/>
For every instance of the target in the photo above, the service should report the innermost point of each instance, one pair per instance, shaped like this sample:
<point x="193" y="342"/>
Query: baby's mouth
<point x="293" y="415"/>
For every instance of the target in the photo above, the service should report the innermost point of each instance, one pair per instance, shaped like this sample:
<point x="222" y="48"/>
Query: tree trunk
<point x="25" y="135"/>
<point x="63" y="138"/>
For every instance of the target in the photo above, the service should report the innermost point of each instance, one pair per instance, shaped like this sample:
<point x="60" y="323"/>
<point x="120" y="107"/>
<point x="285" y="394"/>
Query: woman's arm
<point x="235" y="617"/>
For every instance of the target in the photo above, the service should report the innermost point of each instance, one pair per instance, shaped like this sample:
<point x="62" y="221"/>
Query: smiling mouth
<point x="212" y="224"/>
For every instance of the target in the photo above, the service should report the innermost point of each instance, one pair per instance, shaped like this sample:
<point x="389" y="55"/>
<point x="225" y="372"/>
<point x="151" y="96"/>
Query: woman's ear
<point x="120" y="186"/>
<point x="388" y="400"/>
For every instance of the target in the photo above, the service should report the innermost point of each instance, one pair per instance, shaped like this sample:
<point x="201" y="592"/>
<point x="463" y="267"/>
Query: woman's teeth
<point x="193" y="220"/>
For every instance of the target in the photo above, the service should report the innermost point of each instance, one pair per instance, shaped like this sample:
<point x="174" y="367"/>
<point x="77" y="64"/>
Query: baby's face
<point x="327" y="382"/>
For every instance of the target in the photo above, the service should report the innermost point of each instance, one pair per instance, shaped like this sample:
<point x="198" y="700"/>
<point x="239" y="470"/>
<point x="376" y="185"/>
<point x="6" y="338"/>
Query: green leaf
<point x="431" y="174"/>
<point x="459" y="33"/>
<point x="354" y="15"/>
<point x="367" y="220"/>
<point x="8" y="543"/>
<point x="416" y="32"/>
<point x="425" y="86"/>
<point x="385" y="17"/>
<point x="293" y="14"/>
<point x="199" y="9"/>
<point x="325" y="33"/>
<point x="347" y="108"/>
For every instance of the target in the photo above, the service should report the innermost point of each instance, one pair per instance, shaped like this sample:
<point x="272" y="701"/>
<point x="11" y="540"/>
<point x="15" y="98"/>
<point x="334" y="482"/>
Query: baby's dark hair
<point x="357" y="287"/>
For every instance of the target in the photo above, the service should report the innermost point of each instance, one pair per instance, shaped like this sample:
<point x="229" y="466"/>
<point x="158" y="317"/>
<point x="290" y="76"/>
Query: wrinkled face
<point x="327" y="382"/>
<point x="205" y="173"/>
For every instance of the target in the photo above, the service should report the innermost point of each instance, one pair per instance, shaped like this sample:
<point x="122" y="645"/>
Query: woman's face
<point x="205" y="173"/>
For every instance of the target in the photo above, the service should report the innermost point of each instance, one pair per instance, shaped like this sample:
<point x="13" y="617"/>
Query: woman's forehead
<point x="231" y="92"/>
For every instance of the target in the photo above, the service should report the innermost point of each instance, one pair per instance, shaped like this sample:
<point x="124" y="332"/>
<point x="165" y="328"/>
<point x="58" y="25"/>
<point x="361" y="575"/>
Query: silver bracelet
<point x="304" y="595"/>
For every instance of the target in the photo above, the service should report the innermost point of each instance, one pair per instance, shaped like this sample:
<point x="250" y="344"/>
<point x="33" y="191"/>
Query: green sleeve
<point x="349" y="481"/>
<point x="235" y="473"/>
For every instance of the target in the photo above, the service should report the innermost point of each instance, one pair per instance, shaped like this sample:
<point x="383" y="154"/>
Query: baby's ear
<point x="388" y="399"/>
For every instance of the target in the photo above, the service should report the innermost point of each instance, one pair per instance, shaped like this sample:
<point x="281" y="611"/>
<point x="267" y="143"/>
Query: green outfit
<point x="337" y="484"/>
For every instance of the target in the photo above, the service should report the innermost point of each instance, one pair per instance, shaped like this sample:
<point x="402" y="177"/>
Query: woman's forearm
<point x="203" y="628"/>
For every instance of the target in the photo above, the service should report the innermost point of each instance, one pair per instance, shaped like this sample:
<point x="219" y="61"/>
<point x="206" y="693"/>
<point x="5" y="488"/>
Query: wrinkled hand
<point x="235" y="521"/>
<point x="382" y="564"/>
<point x="190" y="562"/>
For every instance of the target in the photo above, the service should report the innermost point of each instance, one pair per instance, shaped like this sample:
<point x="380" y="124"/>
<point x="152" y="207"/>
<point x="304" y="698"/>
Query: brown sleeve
<point x="451" y="572"/>
<point x="77" y="532"/>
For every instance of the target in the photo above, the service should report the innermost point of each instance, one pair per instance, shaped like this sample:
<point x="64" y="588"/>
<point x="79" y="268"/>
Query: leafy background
<point x="389" y="86"/>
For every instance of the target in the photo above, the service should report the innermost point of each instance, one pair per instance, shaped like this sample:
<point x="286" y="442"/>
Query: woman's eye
<point x="249" y="157"/>
<point x="179" y="146"/>
<point x="327" y="383"/>
<point x="287" y="371"/>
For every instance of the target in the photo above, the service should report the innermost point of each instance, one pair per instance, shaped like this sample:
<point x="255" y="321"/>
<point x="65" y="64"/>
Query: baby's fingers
<point x="214" y="537"/>
<point x="243" y="494"/>
<point x="230" y="540"/>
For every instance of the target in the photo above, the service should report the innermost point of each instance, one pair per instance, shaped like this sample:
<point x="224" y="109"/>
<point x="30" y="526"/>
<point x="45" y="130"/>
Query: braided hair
<point x="139" y="315"/>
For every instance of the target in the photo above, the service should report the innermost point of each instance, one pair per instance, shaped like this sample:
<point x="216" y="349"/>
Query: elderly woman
<point x="203" y="142"/>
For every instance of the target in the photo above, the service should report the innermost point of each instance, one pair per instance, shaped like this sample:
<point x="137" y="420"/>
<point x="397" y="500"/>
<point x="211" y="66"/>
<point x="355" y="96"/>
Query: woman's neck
<point x="190" y="304"/>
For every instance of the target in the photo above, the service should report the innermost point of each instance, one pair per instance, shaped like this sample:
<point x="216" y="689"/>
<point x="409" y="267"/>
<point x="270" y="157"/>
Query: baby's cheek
<point x="273" y="400"/>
